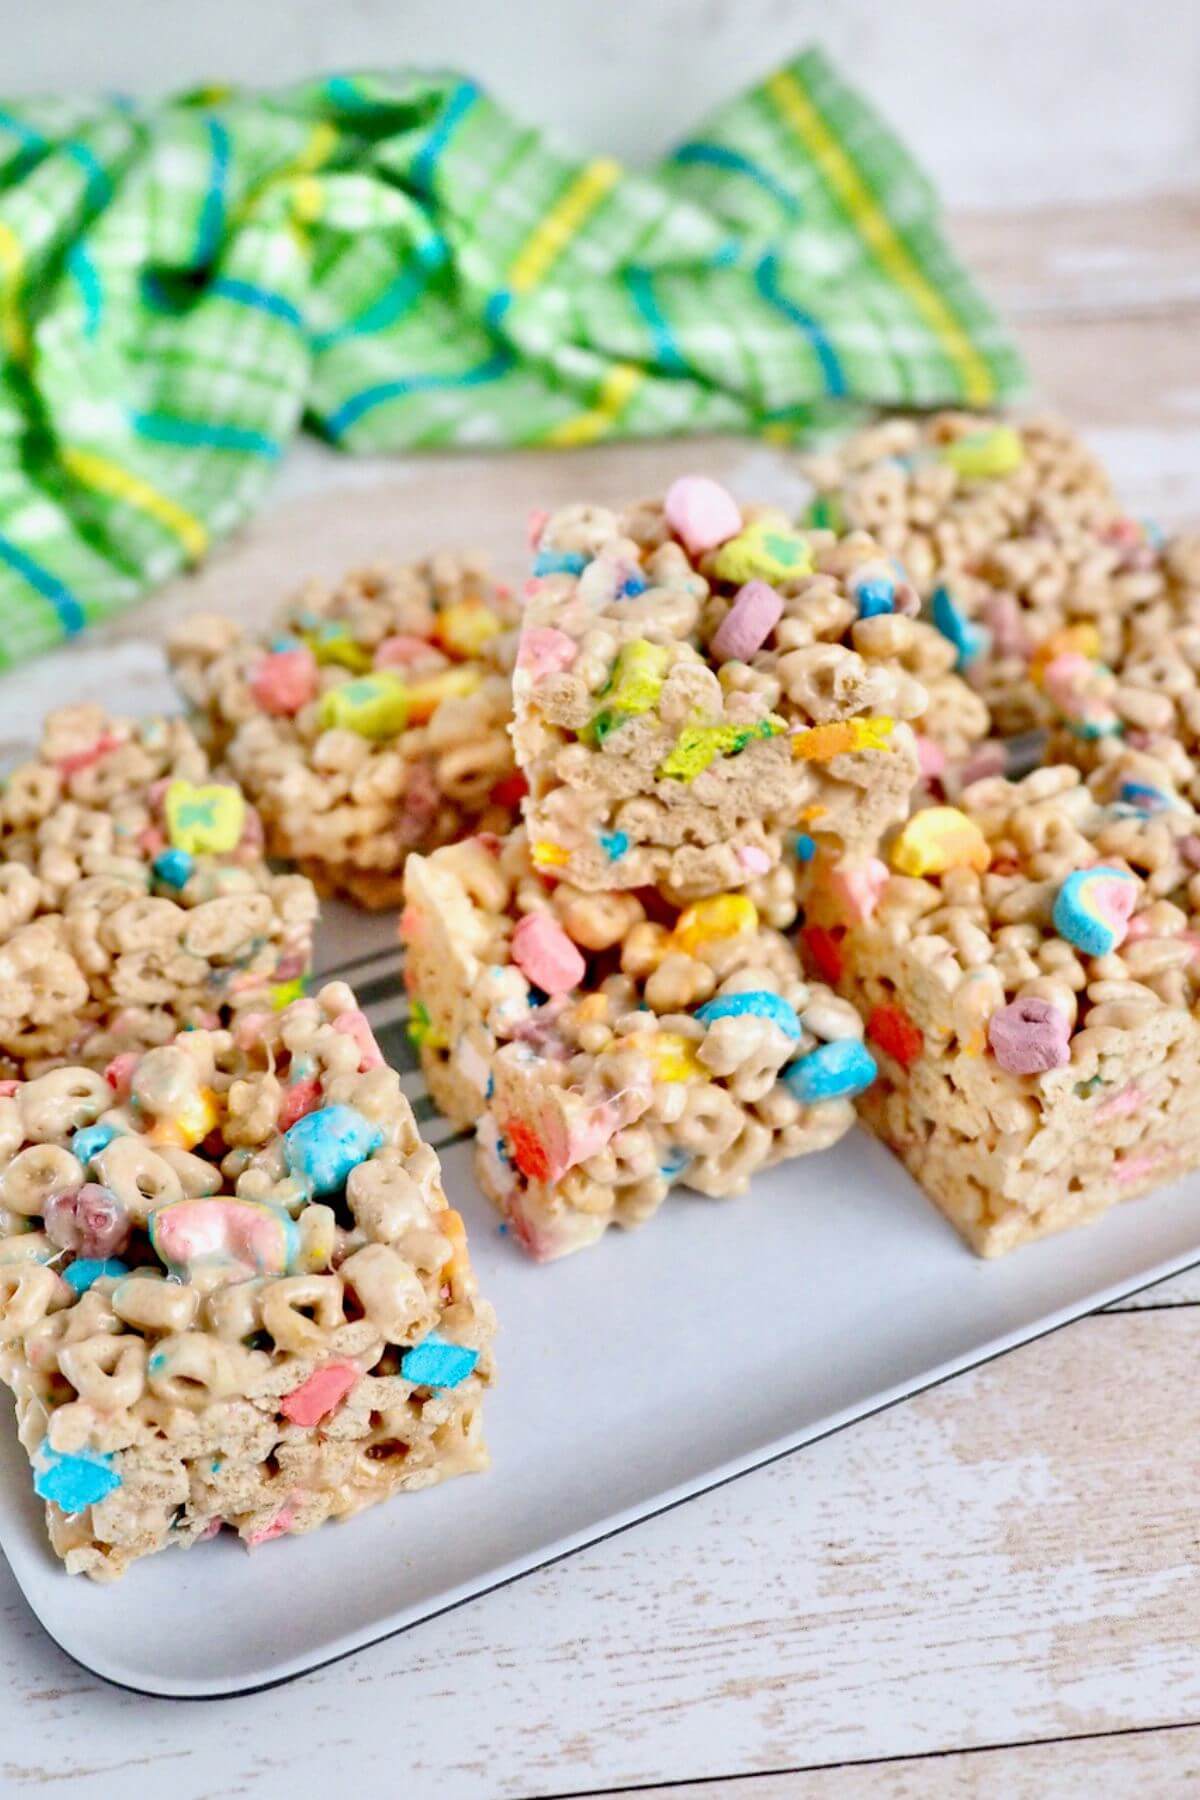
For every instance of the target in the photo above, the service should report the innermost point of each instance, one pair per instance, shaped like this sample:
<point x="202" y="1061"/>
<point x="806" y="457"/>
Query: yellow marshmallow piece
<point x="938" y="839"/>
<point x="191" y="1124"/>
<point x="376" y="706"/>
<point x="724" y="916"/>
<point x="767" y="550"/>
<point x="334" y="646"/>
<point x="673" y="1055"/>
<point x="206" y="820"/>
<point x="464" y="628"/>
<point x="424" y="697"/>
<point x="980" y="455"/>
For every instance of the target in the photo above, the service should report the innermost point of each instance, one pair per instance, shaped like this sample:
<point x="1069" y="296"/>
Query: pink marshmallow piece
<point x="119" y="1073"/>
<point x="1029" y="1036"/>
<point x="545" y="954"/>
<point x="280" y="1524"/>
<point x="1121" y="1104"/>
<point x="748" y="623"/>
<point x="931" y="757"/>
<point x="544" y="651"/>
<point x="535" y="524"/>
<point x="321" y="1394"/>
<point x="701" y="513"/>
<point x="354" y="1024"/>
<point x="285" y="681"/>
<point x="400" y="651"/>
<point x="754" y="859"/>
<point x="301" y="1098"/>
<point x="860" y="887"/>
<point x="1134" y="1167"/>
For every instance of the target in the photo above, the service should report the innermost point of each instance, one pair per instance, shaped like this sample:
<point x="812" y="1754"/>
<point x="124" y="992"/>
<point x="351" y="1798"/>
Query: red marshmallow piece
<point x="284" y="681"/>
<point x="891" y="1029"/>
<point x="321" y="1394"/>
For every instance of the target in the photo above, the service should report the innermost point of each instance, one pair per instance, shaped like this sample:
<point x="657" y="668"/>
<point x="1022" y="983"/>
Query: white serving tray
<point x="656" y="1365"/>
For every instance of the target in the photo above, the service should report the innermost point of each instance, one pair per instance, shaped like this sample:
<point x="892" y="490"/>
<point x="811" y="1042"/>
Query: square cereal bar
<point x="1011" y="532"/>
<point x="696" y="682"/>
<point x="134" y="895"/>
<point x="1027" y="973"/>
<point x="231" y="1290"/>
<point x="609" y="1047"/>
<point x="370" y="721"/>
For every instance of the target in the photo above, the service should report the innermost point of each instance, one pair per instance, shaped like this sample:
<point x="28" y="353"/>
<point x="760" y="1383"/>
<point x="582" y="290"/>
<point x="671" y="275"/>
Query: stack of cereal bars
<point x="231" y="1290"/>
<point x="1027" y="960"/>
<point x="705" y="700"/>
<point x="769" y="772"/>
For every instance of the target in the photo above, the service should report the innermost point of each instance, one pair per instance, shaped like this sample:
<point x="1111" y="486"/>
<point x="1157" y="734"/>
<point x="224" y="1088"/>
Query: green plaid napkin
<point x="396" y="262"/>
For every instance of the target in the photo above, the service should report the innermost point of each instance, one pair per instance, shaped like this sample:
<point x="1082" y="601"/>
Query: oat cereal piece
<point x="371" y="720"/>
<point x="134" y="895"/>
<point x="1011" y="533"/>
<point x="231" y="1290"/>
<point x="1027" y="971"/>
<point x="696" y="681"/>
<point x="689" y="1050"/>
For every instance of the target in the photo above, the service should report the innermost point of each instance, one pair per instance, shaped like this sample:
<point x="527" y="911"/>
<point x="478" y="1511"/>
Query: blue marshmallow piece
<point x="323" y="1147"/>
<point x="614" y="844"/>
<point x="90" y="1140"/>
<point x="1144" y="800"/>
<point x="875" y="597"/>
<point x="86" y="1271"/>
<point x="834" y="1071"/>
<point x="73" y="1482"/>
<point x="560" y="562"/>
<point x="758" y="1003"/>
<point x="805" y="847"/>
<point x="971" y="641"/>
<point x="173" y="867"/>
<point x="1089" y="911"/>
<point x="435" y="1362"/>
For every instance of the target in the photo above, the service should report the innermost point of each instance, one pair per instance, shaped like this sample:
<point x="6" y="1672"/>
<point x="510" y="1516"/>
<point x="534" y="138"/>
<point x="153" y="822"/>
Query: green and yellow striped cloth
<point x="395" y="262"/>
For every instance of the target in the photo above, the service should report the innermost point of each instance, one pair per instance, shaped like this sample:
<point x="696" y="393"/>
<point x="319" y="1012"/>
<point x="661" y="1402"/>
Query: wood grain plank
<point x="1126" y="257"/>
<point x="1118" y="1768"/>
<point x="1009" y="1557"/>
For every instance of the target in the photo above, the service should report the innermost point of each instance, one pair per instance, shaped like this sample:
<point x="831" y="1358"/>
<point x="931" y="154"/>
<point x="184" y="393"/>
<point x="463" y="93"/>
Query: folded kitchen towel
<point x="397" y="263"/>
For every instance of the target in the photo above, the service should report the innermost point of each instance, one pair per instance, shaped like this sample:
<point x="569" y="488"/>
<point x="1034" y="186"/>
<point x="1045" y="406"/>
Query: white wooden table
<point x="993" y="1588"/>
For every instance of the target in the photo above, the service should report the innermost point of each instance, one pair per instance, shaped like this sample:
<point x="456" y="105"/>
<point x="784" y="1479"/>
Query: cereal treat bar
<point x="370" y="721"/>
<point x="1025" y="966"/>
<point x="1011" y="533"/>
<point x="696" y="681"/>
<point x="607" y="1049"/>
<point x="231" y="1289"/>
<point x="1140" y="691"/>
<point x="134" y="896"/>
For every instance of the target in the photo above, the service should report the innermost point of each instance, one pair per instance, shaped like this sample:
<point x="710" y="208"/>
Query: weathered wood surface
<point x="1009" y="1560"/>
